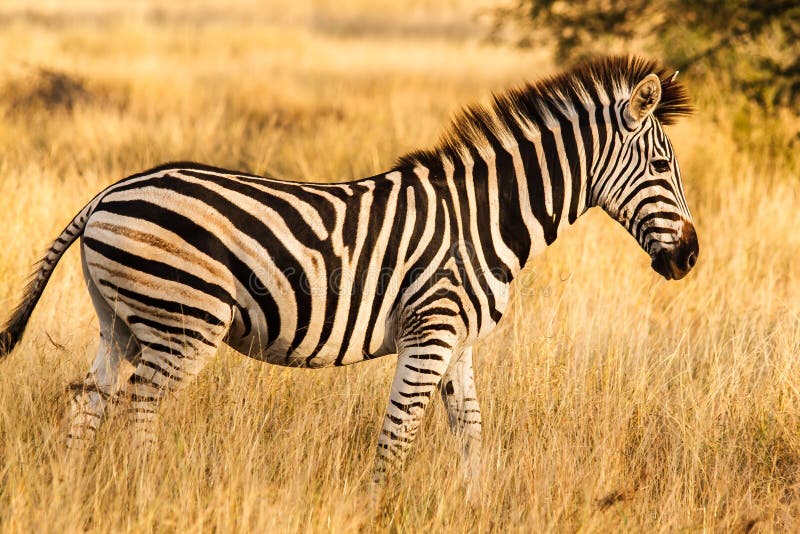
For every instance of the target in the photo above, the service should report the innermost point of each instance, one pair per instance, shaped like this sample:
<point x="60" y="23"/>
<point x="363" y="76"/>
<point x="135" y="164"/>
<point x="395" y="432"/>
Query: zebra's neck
<point x="542" y="175"/>
<point x="517" y="189"/>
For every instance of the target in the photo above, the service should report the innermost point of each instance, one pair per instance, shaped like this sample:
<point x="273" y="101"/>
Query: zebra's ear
<point x="644" y="97"/>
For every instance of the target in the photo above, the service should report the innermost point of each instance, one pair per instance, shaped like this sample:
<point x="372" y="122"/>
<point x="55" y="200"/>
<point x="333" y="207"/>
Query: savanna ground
<point x="612" y="400"/>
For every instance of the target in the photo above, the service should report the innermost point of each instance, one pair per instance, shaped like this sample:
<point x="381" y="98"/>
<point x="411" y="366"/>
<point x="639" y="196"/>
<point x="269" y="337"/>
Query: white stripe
<point x="368" y="294"/>
<point x="462" y="247"/>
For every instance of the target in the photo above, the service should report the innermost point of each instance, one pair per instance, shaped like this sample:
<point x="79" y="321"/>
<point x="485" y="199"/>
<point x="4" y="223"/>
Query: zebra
<point x="416" y="261"/>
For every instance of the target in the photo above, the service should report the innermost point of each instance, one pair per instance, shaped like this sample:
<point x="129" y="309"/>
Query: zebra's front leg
<point x="420" y="367"/>
<point x="464" y="414"/>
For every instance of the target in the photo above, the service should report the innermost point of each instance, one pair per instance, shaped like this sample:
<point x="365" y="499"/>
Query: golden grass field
<point x="612" y="400"/>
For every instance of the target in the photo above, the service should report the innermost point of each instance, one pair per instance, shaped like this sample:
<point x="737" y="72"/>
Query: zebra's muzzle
<point x="674" y="263"/>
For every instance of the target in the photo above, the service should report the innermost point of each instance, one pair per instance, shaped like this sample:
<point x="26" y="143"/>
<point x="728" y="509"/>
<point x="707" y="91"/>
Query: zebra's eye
<point x="660" y="165"/>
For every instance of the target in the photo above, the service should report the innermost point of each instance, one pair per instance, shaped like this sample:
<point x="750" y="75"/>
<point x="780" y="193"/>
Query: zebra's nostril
<point x="692" y="259"/>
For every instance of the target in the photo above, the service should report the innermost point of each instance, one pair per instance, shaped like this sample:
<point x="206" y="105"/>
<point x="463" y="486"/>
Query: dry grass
<point x="612" y="400"/>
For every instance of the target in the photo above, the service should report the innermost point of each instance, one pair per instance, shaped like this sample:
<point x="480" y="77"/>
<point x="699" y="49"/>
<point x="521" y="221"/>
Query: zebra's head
<point x="640" y="184"/>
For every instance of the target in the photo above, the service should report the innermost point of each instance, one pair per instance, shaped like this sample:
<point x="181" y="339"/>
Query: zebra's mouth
<point x="663" y="265"/>
<point x="675" y="263"/>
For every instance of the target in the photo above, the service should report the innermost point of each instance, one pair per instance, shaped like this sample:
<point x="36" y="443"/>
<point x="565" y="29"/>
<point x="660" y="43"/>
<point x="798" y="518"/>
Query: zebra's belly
<point x="337" y="350"/>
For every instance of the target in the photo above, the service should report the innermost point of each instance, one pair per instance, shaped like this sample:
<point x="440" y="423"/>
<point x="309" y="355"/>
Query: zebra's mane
<point x="535" y="105"/>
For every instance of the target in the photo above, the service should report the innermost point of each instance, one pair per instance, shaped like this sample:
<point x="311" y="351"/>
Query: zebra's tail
<point x="15" y="326"/>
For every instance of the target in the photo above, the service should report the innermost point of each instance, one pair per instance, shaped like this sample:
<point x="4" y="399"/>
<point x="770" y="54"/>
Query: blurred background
<point x="612" y="399"/>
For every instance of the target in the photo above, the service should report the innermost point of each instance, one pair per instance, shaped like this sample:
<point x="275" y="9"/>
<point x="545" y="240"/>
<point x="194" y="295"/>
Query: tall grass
<point x="612" y="400"/>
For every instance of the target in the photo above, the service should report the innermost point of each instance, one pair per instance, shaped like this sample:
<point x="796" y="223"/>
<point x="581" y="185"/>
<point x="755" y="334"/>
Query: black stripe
<point x="389" y="263"/>
<point x="159" y="269"/>
<point x="421" y="208"/>
<point x="447" y="312"/>
<point x="647" y="201"/>
<point x="512" y="226"/>
<point x="574" y="172"/>
<point x="580" y="176"/>
<point x="163" y="348"/>
<point x="377" y="217"/>
<point x="422" y="370"/>
<point x="497" y="268"/>
<point x="394" y="419"/>
<point x="554" y="170"/>
<point x="414" y="271"/>
<point x="391" y="435"/>
<point x="426" y="394"/>
<point x="158" y="369"/>
<point x="435" y="357"/>
<point x="433" y="342"/>
<point x="166" y="305"/>
<point x="664" y="215"/>
<point x="419" y="384"/>
<point x="658" y="182"/>
<point x="530" y="161"/>
<point x="180" y="330"/>
<point x="408" y="407"/>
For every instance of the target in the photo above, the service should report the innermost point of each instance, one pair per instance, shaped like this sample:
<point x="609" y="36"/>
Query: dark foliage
<point x="756" y="43"/>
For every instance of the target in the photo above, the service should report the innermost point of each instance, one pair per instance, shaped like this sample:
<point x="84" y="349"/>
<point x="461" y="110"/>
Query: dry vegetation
<point x="612" y="400"/>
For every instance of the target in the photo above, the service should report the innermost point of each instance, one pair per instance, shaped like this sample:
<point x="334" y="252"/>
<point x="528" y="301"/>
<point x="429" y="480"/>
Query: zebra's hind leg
<point x="163" y="369"/>
<point x="99" y="388"/>
<point x="464" y="414"/>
